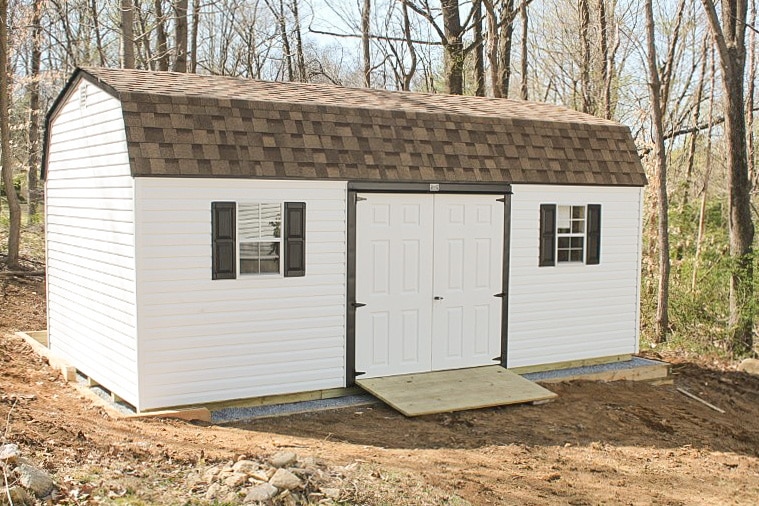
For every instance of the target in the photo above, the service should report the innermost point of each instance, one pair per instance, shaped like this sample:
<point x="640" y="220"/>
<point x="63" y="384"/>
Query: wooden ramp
<point x="455" y="390"/>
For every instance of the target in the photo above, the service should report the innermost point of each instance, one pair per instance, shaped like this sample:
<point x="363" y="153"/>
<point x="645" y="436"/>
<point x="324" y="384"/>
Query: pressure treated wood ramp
<point x="455" y="390"/>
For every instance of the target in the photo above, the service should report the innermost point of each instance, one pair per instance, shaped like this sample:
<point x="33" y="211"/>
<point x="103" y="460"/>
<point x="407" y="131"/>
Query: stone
<point x="260" y="475"/>
<point x="231" y="498"/>
<point x="214" y="491"/>
<point x="283" y="459"/>
<point x="236" y="480"/>
<point x="285" y="479"/>
<point x="211" y="473"/>
<point x="246" y="466"/>
<point x="36" y="480"/>
<point x="9" y="453"/>
<point x="331" y="493"/>
<point x="260" y="493"/>
<point x="18" y="496"/>
<point x="750" y="366"/>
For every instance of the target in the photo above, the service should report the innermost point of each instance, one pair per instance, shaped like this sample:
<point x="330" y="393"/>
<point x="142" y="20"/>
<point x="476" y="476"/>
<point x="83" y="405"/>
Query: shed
<point x="214" y="238"/>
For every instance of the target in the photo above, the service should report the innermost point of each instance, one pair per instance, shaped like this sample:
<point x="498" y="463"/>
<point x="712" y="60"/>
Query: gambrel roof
<point x="210" y="126"/>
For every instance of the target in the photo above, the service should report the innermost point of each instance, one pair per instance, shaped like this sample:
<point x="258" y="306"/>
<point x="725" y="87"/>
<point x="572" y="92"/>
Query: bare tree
<point x="729" y="36"/>
<point x="194" y="36"/>
<point x="180" y="35"/>
<point x="127" y="34"/>
<point x="523" y="87"/>
<point x="34" y="107"/>
<point x="14" y="207"/>
<point x="365" y="45"/>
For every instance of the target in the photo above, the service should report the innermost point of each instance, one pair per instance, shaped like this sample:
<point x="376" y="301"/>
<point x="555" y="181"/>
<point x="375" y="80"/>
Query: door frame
<point x="356" y="187"/>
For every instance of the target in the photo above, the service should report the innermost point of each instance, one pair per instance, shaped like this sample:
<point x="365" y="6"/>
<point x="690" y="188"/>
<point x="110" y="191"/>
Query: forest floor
<point x="613" y="443"/>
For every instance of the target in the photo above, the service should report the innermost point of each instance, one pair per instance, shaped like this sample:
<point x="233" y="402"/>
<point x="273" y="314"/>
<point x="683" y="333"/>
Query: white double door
<point x="428" y="268"/>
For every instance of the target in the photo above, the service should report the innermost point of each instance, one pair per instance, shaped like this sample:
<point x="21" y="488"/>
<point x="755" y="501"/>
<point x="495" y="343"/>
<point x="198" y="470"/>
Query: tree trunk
<point x="194" y="36"/>
<point x="730" y="39"/>
<point x="505" y="41"/>
<point x="34" y="109"/>
<point x="14" y="207"/>
<point x="409" y="75"/>
<point x="454" y="48"/>
<point x="523" y="87"/>
<point x="587" y="95"/>
<point x="180" y="34"/>
<point x="750" y="151"/>
<point x="300" y="58"/>
<point x="162" y="49"/>
<point x="603" y="28"/>
<point x="479" y="46"/>
<point x="127" y="34"/>
<point x="365" y="44"/>
<point x="95" y="27"/>
<point x="662" y="300"/>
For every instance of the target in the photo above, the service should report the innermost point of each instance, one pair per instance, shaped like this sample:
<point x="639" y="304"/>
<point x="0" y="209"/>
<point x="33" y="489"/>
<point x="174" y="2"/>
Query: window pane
<point x="578" y="226"/>
<point x="563" y="242"/>
<point x="578" y="212"/>
<point x="249" y="258"/>
<point x="271" y="221"/>
<point x="269" y="256"/>
<point x="563" y="220"/>
<point x="563" y="256"/>
<point x="576" y="242"/>
<point x="247" y="221"/>
<point x="575" y="255"/>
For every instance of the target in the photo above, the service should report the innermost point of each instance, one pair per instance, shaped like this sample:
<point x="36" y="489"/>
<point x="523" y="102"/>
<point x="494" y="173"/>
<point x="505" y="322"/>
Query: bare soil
<point x="598" y="443"/>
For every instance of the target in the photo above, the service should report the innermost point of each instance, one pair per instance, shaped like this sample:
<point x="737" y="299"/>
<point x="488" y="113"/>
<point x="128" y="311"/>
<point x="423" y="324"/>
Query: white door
<point x="466" y="317"/>
<point x="427" y="268"/>
<point x="394" y="280"/>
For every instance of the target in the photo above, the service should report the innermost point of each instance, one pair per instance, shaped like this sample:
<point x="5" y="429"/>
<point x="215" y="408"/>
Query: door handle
<point x="437" y="297"/>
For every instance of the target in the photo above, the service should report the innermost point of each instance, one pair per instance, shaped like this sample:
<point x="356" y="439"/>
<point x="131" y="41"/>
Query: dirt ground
<point x="598" y="443"/>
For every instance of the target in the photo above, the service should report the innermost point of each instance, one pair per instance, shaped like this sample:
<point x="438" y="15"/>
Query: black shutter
<point x="593" y="241"/>
<point x="223" y="231"/>
<point x="295" y="239"/>
<point x="547" y="235"/>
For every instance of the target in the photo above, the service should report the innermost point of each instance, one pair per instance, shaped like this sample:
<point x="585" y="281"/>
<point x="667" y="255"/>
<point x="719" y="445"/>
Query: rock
<point x="285" y="479"/>
<point x="750" y="365"/>
<point x="34" y="479"/>
<point x="331" y="493"/>
<point x="260" y="475"/>
<point x="260" y="493"/>
<point x="9" y="453"/>
<point x="214" y="491"/>
<point x="211" y="473"/>
<point x="19" y="497"/>
<point x="246" y="467"/>
<point x="236" y="480"/>
<point x="283" y="459"/>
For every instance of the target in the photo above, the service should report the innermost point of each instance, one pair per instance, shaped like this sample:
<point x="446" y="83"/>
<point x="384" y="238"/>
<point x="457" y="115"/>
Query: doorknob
<point x="437" y="297"/>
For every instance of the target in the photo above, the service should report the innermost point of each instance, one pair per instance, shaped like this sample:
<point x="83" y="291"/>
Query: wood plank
<point x="454" y="390"/>
<point x="640" y="373"/>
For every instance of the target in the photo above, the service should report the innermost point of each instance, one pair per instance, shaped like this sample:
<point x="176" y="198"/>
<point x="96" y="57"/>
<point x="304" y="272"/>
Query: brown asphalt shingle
<point x="211" y="126"/>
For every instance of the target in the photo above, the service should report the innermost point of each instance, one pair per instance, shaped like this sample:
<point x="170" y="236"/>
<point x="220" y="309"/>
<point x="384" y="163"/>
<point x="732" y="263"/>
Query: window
<point x="570" y="234"/>
<point x="266" y="237"/>
<point x="259" y="227"/>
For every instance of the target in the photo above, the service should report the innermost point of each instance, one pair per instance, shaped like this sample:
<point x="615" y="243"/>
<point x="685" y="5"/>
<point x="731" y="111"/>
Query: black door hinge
<point x="357" y="304"/>
<point x="502" y="294"/>
<point x="359" y="373"/>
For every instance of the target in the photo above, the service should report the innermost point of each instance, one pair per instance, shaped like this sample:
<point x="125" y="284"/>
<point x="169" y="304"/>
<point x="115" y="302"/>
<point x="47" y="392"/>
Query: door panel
<point x="468" y="245"/>
<point x="427" y="268"/>
<point x="394" y="280"/>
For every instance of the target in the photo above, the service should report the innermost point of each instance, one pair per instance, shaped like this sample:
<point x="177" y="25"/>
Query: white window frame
<point x="571" y="235"/>
<point x="241" y="240"/>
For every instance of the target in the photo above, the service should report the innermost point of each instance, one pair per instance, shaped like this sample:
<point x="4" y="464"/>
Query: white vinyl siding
<point x="574" y="311"/>
<point x="204" y="340"/>
<point x="89" y="197"/>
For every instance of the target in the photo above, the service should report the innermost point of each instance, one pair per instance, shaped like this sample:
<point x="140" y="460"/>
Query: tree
<point x="180" y="34"/>
<point x="127" y="34"/>
<point x="729" y="35"/>
<point x="14" y="207"/>
<point x="34" y="107"/>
